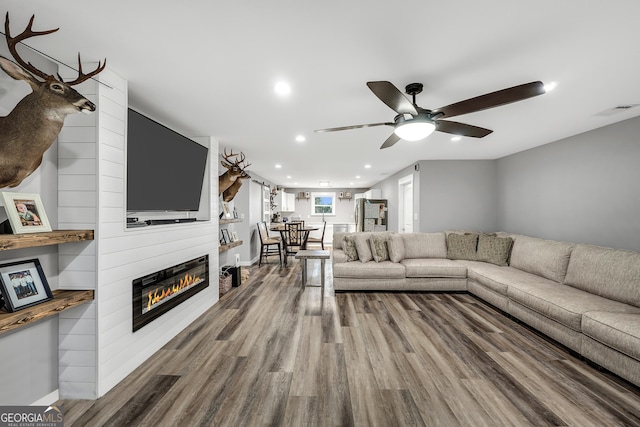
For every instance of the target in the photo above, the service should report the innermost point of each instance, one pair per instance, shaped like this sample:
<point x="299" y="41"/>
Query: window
<point x="323" y="203"/>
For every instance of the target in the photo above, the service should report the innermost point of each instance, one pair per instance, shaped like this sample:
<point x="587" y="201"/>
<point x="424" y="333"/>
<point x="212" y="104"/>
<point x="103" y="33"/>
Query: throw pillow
<point x="362" y="246"/>
<point x="349" y="248"/>
<point x="379" y="248"/>
<point x="395" y="247"/>
<point x="493" y="249"/>
<point x="462" y="246"/>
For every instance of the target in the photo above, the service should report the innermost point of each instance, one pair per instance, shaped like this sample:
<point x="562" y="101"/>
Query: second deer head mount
<point x="35" y="122"/>
<point x="229" y="182"/>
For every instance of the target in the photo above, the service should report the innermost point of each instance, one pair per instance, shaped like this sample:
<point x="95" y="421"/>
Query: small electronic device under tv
<point x="165" y="170"/>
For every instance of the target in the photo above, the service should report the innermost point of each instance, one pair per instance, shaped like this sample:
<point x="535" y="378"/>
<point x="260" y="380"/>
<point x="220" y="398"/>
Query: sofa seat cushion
<point x="369" y="270"/>
<point x="432" y="267"/>
<point x="620" y="331"/>
<point x="561" y="303"/>
<point x="497" y="278"/>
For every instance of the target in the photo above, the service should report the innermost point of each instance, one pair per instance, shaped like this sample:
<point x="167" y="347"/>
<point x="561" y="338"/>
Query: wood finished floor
<point x="272" y="353"/>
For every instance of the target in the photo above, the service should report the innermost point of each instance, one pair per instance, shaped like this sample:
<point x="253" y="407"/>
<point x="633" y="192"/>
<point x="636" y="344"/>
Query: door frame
<point x="402" y="182"/>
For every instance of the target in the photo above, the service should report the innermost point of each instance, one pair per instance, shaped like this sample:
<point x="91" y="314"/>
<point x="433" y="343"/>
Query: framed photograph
<point x="234" y="236"/>
<point x="226" y="210"/>
<point x="23" y="284"/>
<point x="25" y="212"/>
<point x="225" y="236"/>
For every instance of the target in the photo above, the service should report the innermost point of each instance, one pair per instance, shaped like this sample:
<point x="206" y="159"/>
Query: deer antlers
<point x="27" y="33"/>
<point x="239" y="164"/>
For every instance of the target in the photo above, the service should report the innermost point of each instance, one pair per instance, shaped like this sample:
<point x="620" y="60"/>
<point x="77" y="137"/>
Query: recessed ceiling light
<point x="301" y="138"/>
<point x="550" y="86"/>
<point x="288" y="176"/>
<point x="324" y="183"/>
<point x="455" y="138"/>
<point x="278" y="166"/>
<point x="367" y="166"/>
<point x="351" y="183"/>
<point x="282" y="88"/>
<point x="357" y="176"/>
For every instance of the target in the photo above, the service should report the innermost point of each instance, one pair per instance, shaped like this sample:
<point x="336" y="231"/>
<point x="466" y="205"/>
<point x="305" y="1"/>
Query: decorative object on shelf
<point x="33" y="125"/>
<point x="23" y="284"/>
<point x="235" y="170"/>
<point x="225" y="210"/>
<point x="235" y="213"/>
<point x="226" y="238"/>
<point x="25" y="212"/>
<point x="234" y="236"/>
<point x="272" y="198"/>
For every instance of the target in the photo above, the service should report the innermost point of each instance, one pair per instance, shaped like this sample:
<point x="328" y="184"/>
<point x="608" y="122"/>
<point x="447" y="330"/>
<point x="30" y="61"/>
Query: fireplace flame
<point x="159" y="295"/>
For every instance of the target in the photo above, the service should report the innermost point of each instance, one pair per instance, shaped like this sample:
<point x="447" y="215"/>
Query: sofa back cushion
<point x="546" y="258"/>
<point x="424" y="245"/>
<point x="610" y="273"/>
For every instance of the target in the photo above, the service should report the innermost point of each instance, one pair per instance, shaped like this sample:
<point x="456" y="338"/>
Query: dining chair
<point x="319" y="240"/>
<point x="269" y="246"/>
<point x="293" y="236"/>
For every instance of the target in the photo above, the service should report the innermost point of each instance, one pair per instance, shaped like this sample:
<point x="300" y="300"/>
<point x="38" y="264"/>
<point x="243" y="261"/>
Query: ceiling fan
<point x="414" y="123"/>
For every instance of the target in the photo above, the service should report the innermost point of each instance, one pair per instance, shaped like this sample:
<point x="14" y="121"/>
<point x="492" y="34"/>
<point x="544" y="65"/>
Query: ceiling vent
<point x="617" y="109"/>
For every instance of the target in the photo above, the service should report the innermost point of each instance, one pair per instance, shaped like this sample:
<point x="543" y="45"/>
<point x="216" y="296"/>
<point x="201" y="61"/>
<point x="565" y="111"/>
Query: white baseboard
<point x="47" y="400"/>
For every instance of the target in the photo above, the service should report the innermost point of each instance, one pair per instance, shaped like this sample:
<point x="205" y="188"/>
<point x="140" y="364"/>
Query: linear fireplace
<point x="159" y="292"/>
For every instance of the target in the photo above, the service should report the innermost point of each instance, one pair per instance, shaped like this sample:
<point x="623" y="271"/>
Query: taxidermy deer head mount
<point x="35" y="122"/>
<point x="235" y="172"/>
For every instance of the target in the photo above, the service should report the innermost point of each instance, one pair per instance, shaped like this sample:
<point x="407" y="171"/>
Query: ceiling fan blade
<point x="390" y="141"/>
<point x="493" y="99"/>
<point x="391" y="95"/>
<point x="354" y="127"/>
<point x="461" y="129"/>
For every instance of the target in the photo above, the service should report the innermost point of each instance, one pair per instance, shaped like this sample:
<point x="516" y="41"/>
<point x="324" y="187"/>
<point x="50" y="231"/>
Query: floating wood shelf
<point x="31" y="240"/>
<point x="230" y="220"/>
<point x="62" y="300"/>
<point x="231" y="245"/>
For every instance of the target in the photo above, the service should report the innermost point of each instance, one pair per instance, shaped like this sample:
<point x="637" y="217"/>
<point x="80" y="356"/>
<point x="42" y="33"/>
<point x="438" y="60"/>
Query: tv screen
<point x="165" y="170"/>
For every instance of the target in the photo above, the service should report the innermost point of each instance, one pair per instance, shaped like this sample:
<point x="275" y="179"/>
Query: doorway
<point x="405" y="204"/>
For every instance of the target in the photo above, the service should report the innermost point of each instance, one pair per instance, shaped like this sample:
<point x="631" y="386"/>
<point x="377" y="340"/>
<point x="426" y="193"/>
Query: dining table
<point x="281" y="227"/>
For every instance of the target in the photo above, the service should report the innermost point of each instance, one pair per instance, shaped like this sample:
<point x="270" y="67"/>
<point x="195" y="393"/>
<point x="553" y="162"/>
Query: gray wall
<point x="34" y="347"/>
<point x="579" y="189"/>
<point x="448" y="194"/>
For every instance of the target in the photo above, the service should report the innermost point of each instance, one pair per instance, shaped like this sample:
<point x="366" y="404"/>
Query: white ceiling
<point x="207" y="68"/>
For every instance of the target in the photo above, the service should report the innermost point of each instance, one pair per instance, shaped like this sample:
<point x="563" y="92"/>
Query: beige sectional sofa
<point x="585" y="297"/>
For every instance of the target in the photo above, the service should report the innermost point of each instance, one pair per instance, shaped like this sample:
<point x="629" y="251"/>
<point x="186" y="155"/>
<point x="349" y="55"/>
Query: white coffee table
<point x="307" y="254"/>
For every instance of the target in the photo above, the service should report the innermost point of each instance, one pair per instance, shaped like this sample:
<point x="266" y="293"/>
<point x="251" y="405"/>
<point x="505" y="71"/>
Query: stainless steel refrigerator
<point x="371" y="215"/>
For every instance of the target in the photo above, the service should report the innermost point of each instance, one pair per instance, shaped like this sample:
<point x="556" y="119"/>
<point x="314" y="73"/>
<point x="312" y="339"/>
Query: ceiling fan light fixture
<point x="414" y="130"/>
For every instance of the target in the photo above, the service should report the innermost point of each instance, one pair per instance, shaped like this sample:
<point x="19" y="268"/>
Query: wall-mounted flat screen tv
<point x="165" y="170"/>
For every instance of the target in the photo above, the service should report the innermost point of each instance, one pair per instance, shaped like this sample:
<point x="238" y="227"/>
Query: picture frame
<point x="225" y="209"/>
<point x="25" y="212"/>
<point x="225" y="236"/>
<point x="23" y="284"/>
<point x="234" y="236"/>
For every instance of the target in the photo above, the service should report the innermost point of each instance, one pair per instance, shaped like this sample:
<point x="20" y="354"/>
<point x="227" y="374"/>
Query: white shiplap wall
<point x="97" y="347"/>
